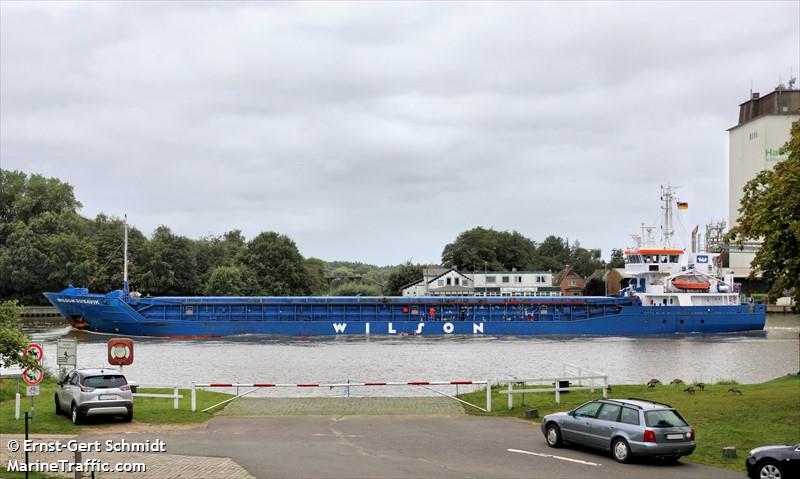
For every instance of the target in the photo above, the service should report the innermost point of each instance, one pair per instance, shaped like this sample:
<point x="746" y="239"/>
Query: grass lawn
<point x="145" y="410"/>
<point x="766" y="413"/>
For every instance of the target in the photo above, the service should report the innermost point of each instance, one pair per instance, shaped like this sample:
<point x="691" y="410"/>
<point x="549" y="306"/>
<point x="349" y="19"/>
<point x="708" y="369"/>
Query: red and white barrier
<point x="257" y="386"/>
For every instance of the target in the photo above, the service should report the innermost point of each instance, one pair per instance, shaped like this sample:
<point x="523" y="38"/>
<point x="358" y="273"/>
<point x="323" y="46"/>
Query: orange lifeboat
<point x="691" y="282"/>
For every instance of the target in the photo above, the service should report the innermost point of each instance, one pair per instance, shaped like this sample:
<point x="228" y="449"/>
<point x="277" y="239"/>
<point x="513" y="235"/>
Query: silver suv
<point x="626" y="427"/>
<point x="90" y="392"/>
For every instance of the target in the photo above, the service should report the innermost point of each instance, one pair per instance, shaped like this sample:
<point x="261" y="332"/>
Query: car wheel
<point x="770" y="469"/>
<point x="128" y="417"/>
<point x="553" y="436"/>
<point x="75" y="415"/>
<point x="621" y="450"/>
<point x="58" y="406"/>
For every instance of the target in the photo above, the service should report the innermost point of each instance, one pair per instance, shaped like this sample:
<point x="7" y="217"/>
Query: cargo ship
<point x="669" y="291"/>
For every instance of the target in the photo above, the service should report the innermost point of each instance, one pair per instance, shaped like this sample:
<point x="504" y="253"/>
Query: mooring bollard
<point x="728" y="452"/>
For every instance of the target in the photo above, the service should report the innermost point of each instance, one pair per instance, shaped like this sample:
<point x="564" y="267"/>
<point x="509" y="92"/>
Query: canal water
<point x="743" y="357"/>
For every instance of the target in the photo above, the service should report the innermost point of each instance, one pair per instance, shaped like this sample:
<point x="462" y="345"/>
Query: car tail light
<point x="692" y="437"/>
<point x="649" y="435"/>
<point x="87" y="389"/>
<point x="125" y="387"/>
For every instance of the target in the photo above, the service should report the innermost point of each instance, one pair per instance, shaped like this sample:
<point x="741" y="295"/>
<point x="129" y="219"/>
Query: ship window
<point x="491" y="279"/>
<point x="664" y="258"/>
<point x="189" y="310"/>
<point x="673" y="258"/>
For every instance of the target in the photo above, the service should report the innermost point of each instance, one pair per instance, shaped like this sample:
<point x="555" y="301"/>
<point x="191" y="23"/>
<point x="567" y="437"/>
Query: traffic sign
<point x="67" y="352"/>
<point x="32" y="390"/>
<point x="32" y="377"/>
<point x="36" y="350"/>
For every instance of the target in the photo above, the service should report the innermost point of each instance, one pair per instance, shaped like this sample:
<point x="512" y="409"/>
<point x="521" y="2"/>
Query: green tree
<point x="275" y="264"/>
<point x="553" y="253"/>
<point x="617" y="259"/>
<point x="770" y="211"/>
<point x="12" y="340"/>
<point x="170" y="265"/>
<point x="314" y="270"/>
<point x="402" y="275"/>
<point x="585" y="261"/>
<point x="481" y="248"/>
<point x="355" y="288"/>
<point x="225" y="281"/>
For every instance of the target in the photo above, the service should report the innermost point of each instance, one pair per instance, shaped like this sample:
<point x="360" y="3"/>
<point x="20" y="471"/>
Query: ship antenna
<point x="125" y="288"/>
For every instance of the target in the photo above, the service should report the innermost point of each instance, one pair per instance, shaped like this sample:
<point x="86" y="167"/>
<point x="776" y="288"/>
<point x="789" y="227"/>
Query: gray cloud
<point x="378" y="132"/>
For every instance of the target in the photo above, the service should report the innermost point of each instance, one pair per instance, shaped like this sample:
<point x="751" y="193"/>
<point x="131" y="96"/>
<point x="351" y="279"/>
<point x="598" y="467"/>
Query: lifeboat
<point x="691" y="282"/>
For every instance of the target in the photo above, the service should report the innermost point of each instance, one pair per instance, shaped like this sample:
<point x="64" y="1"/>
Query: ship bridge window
<point x="664" y="258"/>
<point x="673" y="258"/>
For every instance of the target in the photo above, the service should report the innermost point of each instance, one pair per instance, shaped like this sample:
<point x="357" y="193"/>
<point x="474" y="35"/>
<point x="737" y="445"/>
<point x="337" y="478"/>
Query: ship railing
<point x="560" y="384"/>
<point x="253" y="387"/>
<point x="176" y="396"/>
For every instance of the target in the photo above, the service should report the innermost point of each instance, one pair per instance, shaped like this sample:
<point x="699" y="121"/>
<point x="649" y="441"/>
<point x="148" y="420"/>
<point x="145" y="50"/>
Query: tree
<point x="553" y="253"/>
<point x="617" y="259"/>
<point x="170" y="265"/>
<point x="314" y="270"/>
<point x="481" y="248"/>
<point x="225" y="281"/>
<point x="355" y="288"/>
<point x="275" y="265"/>
<point x="402" y="275"/>
<point x="595" y="287"/>
<point x="12" y="340"/>
<point x="585" y="261"/>
<point x="770" y="211"/>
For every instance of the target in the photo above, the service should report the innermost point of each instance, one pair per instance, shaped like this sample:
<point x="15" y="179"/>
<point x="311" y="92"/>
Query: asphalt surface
<point x="404" y="447"/>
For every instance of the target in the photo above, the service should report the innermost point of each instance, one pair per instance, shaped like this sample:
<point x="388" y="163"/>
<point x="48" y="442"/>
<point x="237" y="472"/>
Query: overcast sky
<point x="378" y="132"/>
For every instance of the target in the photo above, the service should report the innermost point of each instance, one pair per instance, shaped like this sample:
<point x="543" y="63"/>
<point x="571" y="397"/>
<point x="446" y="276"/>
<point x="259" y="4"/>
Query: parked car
<point x="774" y="462"/>
<point x="90" y="392"/>
<point x="625" y="427"/>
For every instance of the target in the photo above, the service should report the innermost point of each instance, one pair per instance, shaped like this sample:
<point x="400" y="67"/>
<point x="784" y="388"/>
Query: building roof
<point x="559" y="277"/>
<point x="781" y="101"/>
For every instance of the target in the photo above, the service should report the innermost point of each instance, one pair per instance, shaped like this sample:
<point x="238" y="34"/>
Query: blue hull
<point x="115" y="313"/>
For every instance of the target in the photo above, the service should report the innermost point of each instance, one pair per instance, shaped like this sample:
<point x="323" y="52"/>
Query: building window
<point x="441" y="282"/>
<point x="572" y="282"/>
<point x="449" y="281"/>
<point x="518" y="279"/>
<point x="505" y="279"/>
<point x="491" y="279"/>
<point x="455" y="280"/>
<point x="753" y="135"/>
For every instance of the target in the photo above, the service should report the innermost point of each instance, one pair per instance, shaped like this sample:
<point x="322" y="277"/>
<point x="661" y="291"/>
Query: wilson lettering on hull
<point x="120" y="313"/>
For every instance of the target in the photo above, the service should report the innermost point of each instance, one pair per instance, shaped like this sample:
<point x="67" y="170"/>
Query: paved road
<point x="404" y="447"/>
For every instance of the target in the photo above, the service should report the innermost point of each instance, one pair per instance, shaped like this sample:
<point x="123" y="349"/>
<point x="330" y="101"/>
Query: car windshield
<point x="105" y="382"/>
<point x="664" y="418"/>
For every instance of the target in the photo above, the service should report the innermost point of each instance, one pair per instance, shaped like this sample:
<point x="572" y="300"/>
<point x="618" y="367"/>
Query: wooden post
<point x="510" y="395"/>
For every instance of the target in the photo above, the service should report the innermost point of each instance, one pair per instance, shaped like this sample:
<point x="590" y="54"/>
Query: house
<point x="569" y="282"/>
<point x="451" y="282"/>
<point x="616" y="279"/>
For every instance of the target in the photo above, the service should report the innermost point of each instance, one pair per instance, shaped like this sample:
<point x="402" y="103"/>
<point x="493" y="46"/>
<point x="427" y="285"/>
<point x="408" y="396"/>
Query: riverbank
<point x="146" y="410"/>
<point x="763" y="414"/>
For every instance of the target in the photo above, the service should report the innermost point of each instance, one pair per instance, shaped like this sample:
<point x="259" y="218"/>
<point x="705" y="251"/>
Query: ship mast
<point x="125" y="288"/>
<point x="666" y="221"/>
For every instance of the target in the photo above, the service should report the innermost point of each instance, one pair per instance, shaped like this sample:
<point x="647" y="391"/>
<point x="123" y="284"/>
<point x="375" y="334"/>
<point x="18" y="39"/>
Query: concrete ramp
<point x="352" y="406"/>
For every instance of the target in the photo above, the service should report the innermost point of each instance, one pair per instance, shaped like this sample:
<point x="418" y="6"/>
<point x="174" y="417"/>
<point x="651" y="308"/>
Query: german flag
<point x="683" y="206"/>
